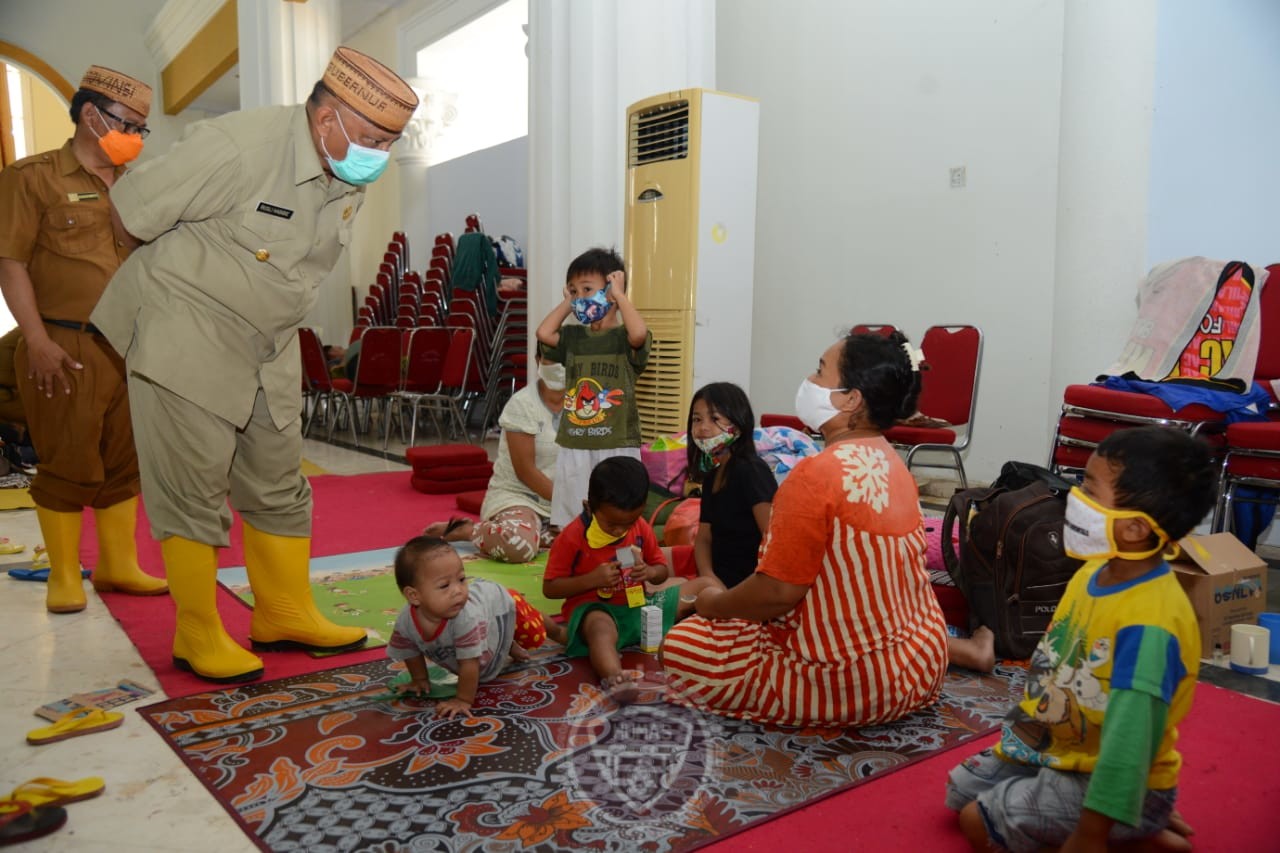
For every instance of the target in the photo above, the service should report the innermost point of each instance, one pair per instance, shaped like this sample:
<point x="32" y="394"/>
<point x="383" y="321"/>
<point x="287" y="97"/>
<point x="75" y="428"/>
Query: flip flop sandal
<point x="46" y="791"/>
<point x="83" y="721"/>
<point x="41" y="558"/>
<point x="8" y="546"/>
<point x="39" y="575"/>
<point x="23" y="822"/>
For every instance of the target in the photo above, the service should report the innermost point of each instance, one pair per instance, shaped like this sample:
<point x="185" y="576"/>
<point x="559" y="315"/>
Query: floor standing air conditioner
<point x="690" y="244"/>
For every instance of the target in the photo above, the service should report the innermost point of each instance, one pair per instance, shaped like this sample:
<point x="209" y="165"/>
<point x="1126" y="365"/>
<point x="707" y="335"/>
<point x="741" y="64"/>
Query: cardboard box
<point x="1227" y="585"/>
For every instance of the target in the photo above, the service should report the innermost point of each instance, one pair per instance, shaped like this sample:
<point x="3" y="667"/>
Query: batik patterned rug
<point x="328" y="762"/>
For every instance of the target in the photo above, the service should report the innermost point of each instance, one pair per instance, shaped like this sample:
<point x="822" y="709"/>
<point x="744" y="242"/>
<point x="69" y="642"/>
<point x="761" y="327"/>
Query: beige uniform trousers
<point x="84" y="440"/>
<point x="192" y="460"/>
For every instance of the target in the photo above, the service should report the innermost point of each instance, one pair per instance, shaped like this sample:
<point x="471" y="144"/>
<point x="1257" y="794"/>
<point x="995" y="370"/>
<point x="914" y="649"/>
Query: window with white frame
<point x="482" y="72"/>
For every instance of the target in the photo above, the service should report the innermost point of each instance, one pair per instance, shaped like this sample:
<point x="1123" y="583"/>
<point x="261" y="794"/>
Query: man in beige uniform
<point x="243" y="218"/>
<point x="58" y="248"/>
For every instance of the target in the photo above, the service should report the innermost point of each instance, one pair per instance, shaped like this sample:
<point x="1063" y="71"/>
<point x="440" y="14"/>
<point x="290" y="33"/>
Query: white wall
<point x="1215" y="167"/>
<point x="864" y="108"/>
<point x="493" y="182"/>
<point x="71" y="35"/>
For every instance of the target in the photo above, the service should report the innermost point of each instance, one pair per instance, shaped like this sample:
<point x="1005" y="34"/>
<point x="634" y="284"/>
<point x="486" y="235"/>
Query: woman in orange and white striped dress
<point x="838" y="626"/>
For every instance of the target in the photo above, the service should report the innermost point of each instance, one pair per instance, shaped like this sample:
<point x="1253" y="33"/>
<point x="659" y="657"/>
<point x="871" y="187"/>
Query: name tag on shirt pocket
<point x="74" y="229"/>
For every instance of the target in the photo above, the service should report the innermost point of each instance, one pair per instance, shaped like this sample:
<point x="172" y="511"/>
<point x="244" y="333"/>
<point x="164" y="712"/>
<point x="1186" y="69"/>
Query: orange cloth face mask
<point x="119" y="147"/>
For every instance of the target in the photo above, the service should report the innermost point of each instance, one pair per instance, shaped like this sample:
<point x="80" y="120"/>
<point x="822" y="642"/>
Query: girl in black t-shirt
<point x="737" y="485"/>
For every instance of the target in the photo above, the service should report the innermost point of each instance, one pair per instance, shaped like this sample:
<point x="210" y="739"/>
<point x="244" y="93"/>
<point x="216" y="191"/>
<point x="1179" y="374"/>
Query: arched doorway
<point x="33" y="104"/>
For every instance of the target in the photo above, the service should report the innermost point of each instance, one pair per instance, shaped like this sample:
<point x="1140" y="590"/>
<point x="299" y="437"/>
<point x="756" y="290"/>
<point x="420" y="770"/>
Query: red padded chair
<point x="1091" y="412"/>
<point x="424" y="368"/>
<point x="455" y="385"/>
<point x="378" y="375"/>
<point x="882" y="329"/>
<point x="949" y="392"/>
<point x="319" y="389"/>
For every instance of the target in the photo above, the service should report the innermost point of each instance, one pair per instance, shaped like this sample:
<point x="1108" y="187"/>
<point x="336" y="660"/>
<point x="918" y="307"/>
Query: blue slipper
<point x="39" y="575"/>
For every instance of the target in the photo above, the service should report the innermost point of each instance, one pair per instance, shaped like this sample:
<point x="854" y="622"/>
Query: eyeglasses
<point x="127" y="126"/>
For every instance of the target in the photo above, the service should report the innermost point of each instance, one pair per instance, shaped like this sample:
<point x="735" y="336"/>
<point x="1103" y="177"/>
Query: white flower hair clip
<point x="915" y="356"/>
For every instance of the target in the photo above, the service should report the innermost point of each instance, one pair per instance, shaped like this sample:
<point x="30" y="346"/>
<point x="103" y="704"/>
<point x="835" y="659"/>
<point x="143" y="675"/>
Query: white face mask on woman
<point x="813" y="404"/>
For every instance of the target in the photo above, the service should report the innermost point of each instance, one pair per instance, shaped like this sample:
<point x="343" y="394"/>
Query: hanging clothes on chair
<point x="475" y="268"/>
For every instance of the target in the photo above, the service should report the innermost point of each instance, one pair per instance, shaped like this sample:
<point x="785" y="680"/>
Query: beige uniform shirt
<point x="242" y="227"/>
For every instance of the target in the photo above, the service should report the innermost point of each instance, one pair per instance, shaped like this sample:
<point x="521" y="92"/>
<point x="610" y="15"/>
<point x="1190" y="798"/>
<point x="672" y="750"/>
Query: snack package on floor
<point x="123" y="693"/>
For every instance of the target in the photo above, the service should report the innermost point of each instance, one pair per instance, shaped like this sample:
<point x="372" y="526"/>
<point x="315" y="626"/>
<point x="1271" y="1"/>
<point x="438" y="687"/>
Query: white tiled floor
<point x="152" y="802"/>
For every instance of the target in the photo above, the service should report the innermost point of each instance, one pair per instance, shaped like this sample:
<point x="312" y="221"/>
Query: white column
<point x="284" y="48"/>
<point x="437" y="109"/>
<point x="587" y="63"/>
<point x="1108" y="82"/>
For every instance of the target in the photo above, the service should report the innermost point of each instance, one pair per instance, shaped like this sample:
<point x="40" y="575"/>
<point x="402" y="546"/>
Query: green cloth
<point x="626" y="618"/>
<point x="475" y="268"/>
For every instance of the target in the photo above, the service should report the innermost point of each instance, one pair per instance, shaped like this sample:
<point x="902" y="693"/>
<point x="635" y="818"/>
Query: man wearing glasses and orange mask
<point x="243" y="220"/>
<point x="59" y="246"/>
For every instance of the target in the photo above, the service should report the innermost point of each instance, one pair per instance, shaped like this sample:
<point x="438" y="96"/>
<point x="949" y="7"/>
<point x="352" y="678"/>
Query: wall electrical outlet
<point x="958" y="177"/>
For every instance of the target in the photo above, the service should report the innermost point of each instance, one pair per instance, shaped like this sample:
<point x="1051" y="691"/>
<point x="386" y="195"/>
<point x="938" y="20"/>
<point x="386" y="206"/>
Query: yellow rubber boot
<point x="284" y="613"/>
<point x="117" y="569"/>
<point x="201" y="645"/>
<point x="61" y="531"/>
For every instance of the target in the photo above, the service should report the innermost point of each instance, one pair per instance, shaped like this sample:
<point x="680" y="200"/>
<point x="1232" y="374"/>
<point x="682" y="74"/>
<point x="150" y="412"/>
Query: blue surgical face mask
<point x="593" y="308"/>
<point x="361" y="165"/>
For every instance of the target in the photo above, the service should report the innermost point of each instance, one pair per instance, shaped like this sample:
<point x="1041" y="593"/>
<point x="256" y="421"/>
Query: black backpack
<point x="1009" y="563"/>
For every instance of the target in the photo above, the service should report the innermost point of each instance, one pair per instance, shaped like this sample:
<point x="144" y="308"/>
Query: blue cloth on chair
<point x="1249" y="406"/>
<point x="1251" y="513"/>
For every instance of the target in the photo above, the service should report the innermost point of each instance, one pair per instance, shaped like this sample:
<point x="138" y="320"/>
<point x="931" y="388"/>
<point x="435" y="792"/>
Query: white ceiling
<point x="224" y="95"/>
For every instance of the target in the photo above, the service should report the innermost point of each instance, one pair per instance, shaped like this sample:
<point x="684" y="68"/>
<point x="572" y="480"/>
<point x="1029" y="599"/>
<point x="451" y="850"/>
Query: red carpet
<point x="357" y="513"/>
<point x="1227" y="794"/>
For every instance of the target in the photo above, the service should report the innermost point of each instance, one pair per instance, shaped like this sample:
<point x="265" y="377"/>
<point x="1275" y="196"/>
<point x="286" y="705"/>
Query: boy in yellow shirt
<point x="1088" y="756"/>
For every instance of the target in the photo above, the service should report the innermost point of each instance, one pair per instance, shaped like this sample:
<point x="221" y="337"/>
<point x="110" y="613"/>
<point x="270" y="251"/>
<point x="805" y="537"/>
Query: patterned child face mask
<point x="1088" y="531"/>
<point x="593" y="308"/>
<point x="710" y="445"/>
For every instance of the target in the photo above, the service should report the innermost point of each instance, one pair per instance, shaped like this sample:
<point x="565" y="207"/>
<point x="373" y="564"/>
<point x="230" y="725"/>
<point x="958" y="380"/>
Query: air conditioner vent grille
<point x="660" y="133"/>
<point x="662" y="390"/>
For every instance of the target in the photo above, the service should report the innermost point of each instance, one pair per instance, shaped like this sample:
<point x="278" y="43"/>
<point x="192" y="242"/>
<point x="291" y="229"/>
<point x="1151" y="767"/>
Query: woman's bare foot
<point x="453" y="530"/>
<point x="977" y="652"/>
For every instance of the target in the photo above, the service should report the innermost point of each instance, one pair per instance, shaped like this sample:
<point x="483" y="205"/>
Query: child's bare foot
<point x="621" y="687"/>
<point x="1179" y="824"/>
<point x="556" y="632"/>
<point x="977" y="652"/>
<point x="517" y="653"/>
<point x="1164" y="841"/>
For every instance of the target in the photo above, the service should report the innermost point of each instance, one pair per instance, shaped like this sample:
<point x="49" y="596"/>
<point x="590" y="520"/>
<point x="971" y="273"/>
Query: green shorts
<point x="626" y="618"/>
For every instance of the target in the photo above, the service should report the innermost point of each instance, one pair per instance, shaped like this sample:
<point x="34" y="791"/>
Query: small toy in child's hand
<point x="632" y="581"/>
